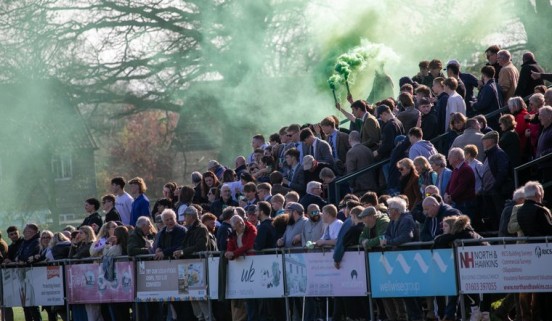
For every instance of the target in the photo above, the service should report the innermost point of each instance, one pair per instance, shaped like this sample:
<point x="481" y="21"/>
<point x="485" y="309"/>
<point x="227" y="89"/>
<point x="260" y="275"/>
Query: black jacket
<point x="392" y="129"/>
<point x="534" y="219"/>
<point x="526" y="83"/>
<point x="91" y="219"/>
<point x="14" y="248"/>
<point x="170" y="241"/>
<point x="81" y="250"/>
<point x="266" y="236"/>
<point x="112" y="215"/>
<point x="28" y="248"/>
<point x="499" y="165"/>
<point x="196" y="239"/>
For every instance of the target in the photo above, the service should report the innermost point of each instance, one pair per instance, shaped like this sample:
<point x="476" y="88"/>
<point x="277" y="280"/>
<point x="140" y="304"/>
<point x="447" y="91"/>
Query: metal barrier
<point x="411" y="270"/>
<point x="530" y="164"/>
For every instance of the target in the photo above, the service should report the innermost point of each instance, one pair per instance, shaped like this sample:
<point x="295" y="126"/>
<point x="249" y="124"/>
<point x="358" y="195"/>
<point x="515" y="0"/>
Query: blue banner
<point x="412" y="273"/>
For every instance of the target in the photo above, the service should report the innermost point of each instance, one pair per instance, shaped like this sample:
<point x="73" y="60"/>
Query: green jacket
<point x="382" y="220"/>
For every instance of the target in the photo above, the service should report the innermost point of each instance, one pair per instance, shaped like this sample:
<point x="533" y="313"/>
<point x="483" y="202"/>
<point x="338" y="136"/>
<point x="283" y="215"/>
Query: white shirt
<point x="123" y="205"/>
<point x="455" y="104"/>
<point x="332" y="230"/>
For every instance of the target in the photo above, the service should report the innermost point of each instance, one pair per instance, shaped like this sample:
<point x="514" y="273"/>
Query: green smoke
<point x="334" y="81"/>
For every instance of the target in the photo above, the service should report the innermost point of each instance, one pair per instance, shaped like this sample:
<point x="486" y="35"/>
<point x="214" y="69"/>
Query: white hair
<point x="142" y="220"/>
<point x="397" y="203"/>
<point x="235" y="219"/>
<point x="458" y="152"/>
<point x="168" y="212"/>
<point x="311" y="185"/>
<point x="519" y="194"/>
<point x="532" y="188"/>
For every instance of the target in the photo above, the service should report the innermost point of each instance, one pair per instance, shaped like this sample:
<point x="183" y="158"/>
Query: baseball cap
<point x="191" y="211"/>
<point x="452" y="62"/>
<point x="370" y="210"/>
<point x="295" y="207"/>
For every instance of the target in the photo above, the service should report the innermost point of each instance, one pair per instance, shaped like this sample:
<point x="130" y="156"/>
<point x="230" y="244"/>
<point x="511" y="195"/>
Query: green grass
<point x="19" y="316"/>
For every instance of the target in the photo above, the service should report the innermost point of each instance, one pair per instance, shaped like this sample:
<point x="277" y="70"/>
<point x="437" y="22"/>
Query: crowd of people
<point x="283" y="195"/>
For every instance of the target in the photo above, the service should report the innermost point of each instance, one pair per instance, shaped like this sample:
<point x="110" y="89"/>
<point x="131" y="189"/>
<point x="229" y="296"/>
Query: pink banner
<point x="89" y="283"/>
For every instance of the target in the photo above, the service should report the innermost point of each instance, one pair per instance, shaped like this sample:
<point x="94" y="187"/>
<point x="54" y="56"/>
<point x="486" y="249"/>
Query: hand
<point x="319" y="242"/>
<point x="95" y="227"/>
<point x="159" y="254"/>
<point x="229" y="255"/>
<point x="337" y="265"/>
<point x="383" y="242"/>
<point x="280" y="242"/>
<point x="350" y="98"/>
<point x="112" y="239"/>
<point x="535" y="75"/>
<point x="285" y="181"/>
<point x="338" y="106"/>
<point x="527" y="132"/>
<point x="375" y="153"/>
<point x="177" y="254"/>
<point x="364" y="244"/>
<point x="296" y="239"/>
<point x="448" y="199"/>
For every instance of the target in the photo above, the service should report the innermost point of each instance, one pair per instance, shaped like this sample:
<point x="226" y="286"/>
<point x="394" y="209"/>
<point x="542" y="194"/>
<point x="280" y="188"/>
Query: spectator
<point x="456" y="126"/>
<point x="509" y="140"/>
<point x="426" y="175"/>
<point x="526" y="84"/>
<point x="30" y="246"/>
<point x="333" y="225"/>
<point x="140" y="206"/>
<point x="391" y="128"/>
<point x="470" y="82"/>
<point x="434" y="212"/>
<point x="185" y="200"/>
<point x="364" y="123"/>
<point x="410" y="117"/>
<point x="223" y="202"/>
<point x="314" y="190"/>
<point x="470" y="153"/>
<point x="496" y="178"/>
<point x="313" y="229"/>
<point x="492" y="59"/>
<point x="518" y="109"/>
<point x="119" y="311"/>
<point x="296" y="222"/>
<point x="264" y="192"/>
<point x="471" y="135"/>
<point x="508" y="76"/>
<point x="277" y="202"/>
<point x="276" y="179"/>
<point x="111" y="213"/>
<point x="375" y="225"/>
<point x="339" y="142"/>
<point x="359" y="157"/>
<point x="296" y="177"/>
<point x="216" y="168"/>
<point x="210" y="221"/>
<point x="430" y="125"/>
<point x="409" y="181"/>
<point x="339" y="249"/>
<point x="312" y="168"/>
<point x="460" y="192"/>
<point x="13" y="248"/>
<point x="490" y="96"/>
<point x="225" y="228"/>
<point x="103" y="238"/>
<point x="140" y="240"/>
<point x="420" y="147"/>
<point x="123" y="200"/>
<point x="517" y="199"/>
<point x="439" y="164"/>
<point x="208" y="181"/>
<point x="266" y="233"/>
<point x="453" y="71"/>
<point x="544" y="145"/>
<point x="316" y="147"/>
<point x="171" y="237"/>
<point x="402" y="229"/>
<point x="93" y="219"/>
<point x="246" y="233"/>
<point x="455" y="102"/>
<point x="441" y="105"/>
<point x="423" y="77"/>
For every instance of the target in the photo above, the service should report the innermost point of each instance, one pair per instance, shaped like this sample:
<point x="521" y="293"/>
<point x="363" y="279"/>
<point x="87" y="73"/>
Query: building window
<point x="62" y="166"/>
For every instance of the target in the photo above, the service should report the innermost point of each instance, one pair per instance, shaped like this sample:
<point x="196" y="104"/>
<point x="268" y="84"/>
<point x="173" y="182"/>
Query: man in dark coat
<point x="434" y="214"/>
<point x="526" y="84"/>
<point x="392" y="128"/>
<point x="170" y="237"/>
<point x="489" y="98"/>
<point x="29" y="248"/>
<point x="534" y="219"/>
<point x="359" y="157"/>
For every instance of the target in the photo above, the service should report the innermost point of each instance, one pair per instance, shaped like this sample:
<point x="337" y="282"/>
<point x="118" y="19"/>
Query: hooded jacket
<point x="422" y="148"/>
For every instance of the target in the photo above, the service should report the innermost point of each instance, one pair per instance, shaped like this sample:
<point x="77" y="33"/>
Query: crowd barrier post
<point x="460" y="292"/>
<point x="368" y="284"/>
<point x="286" y="289"/>
<point x="206" y="256"/>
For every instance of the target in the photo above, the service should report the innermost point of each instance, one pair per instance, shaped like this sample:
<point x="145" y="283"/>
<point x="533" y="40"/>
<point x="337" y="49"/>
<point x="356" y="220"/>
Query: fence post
<point x="369" y="287"/>
<point x="284" y="279"/>
<point x="208" y="287"/>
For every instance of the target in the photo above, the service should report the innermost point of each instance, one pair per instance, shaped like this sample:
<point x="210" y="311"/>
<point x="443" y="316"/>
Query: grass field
<point x="19" y="316"/>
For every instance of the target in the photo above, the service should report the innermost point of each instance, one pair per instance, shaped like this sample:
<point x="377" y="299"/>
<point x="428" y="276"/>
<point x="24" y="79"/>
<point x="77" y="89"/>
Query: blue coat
<point x="176" y="238"/>
<point x="401" y="231"/>
<point x="488" y="100"/>
<point x="140" y="207"/>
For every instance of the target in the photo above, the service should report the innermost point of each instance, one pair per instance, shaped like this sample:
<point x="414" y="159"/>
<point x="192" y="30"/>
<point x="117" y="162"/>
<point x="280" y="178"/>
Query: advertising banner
<point x="32" y="286"/>
<point x="514" y="268"/>
<point x="314" y="274"/>
<point x="258" y="276"/>
<point x="95" y="283"/>
<point x="412" y="273"/>
<point x="176" y="280"/>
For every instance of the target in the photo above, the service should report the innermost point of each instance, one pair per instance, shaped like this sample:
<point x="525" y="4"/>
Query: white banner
<point x="32" y="286"/>
<point x="314" y="274"/>
<point x="258" y="276"/>
<point x="512" y="268"/>
<point x="213" y="265"/>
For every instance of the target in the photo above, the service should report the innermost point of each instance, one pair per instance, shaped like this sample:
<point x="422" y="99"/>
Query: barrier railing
<point x="411" y="270"/>
<point x="538" y="161"/>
